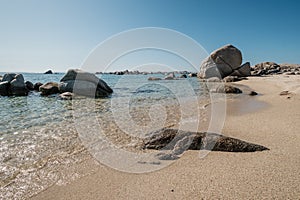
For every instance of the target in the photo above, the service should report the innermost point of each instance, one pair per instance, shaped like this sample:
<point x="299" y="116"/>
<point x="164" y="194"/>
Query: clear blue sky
<point x="36" y="35"/>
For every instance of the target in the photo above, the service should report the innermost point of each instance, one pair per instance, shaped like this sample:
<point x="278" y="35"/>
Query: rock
<point x="17" y="86"/>
<point x="228" y="89"/>
<point x="183" y="76"/>
<point x="48" y="72"/>
<point x="253" y="93"/>
<point x="213" y="79"/>
<point x="153" y="78"/>
<point x="243" y="71"/>
<point x="49" y="88"/>
<point x="193" y="75"/>
<point x="102" y="89"/>
<point x="66" y="96"/>
<point x="285" y="92"/>
<point x="170" y="76"/>
<point x="223" y="62"/>
<point x="29" y="86"/>
<point x="289" y="73"/>
<point x="4" y="88"/>
<point x="233" y="79"/>
<point x="1" y="78"/>
<point x="172" y="139"/>
<point x="84" y="88"/>
<point x="37" y="86"/>
<point x="8" y="77"/>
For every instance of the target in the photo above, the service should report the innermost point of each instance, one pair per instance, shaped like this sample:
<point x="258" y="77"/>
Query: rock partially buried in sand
<point x="228" y="89"/>
<point x="177" y="141"/>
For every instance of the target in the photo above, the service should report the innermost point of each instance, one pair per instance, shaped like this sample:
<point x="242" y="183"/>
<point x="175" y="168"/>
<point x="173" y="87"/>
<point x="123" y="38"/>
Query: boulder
<point x="102" y="89"/>
<point x="223" y="62"/>
<point x="17" y="86"/>
<point x="49" y="88"/>
<point x="228" y="89"/>
<point x="4" y="88"/>
<point x="48" y="72"/>
<point x="29" y="85"/>
<point x="37" y="86"/>
<point x="9" y="77"/>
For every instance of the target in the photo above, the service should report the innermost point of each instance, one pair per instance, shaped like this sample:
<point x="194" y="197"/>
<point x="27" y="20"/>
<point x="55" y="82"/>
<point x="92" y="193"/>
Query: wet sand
<point x="270" y="174"/>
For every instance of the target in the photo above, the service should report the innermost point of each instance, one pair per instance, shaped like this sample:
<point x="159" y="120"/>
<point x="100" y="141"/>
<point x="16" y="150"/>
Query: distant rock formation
<point x="223" y="62"/>
<point x="272" y="68"/>
<point x="48" y="72"/>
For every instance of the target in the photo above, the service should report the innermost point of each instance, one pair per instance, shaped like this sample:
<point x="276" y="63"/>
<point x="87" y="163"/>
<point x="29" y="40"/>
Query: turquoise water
<point x="38" y="137"/>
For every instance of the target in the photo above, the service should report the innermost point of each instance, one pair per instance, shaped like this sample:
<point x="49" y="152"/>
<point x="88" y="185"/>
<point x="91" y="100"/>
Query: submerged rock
<point x="177" y="141"/>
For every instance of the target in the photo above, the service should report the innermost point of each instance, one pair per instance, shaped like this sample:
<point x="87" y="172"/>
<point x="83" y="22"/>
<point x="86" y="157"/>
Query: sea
<point x="39" y="134"/>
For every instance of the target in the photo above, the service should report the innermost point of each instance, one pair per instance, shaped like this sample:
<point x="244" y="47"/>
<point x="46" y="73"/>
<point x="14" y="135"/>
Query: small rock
<point x="153" y="78"/>
<point x="170" y="76"/>
<point x="183" y="76"/>
<point x="284" y="93"/>
<point x="253" y="93"/>
<point x="192" y="75"/>
<point x="66" y="96"/>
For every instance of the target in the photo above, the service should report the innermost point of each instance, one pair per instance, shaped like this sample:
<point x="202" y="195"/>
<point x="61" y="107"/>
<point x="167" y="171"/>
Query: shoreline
<point x="269" y="174"/>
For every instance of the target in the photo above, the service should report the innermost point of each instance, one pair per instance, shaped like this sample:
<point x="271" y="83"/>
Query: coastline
<point x="268" y="174"/>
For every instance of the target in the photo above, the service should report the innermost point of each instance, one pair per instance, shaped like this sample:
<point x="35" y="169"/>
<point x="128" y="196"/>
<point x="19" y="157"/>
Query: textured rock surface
<point x="177" y="141"/>
<point x="223" y="62"/>
<point x="74" y="77"/>
<point x="228" y="89"/>
<point x="14" y="85"/>
<point x="49" y="88"/>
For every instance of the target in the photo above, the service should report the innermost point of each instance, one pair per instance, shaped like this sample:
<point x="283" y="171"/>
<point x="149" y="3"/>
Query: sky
<point x="39" y="35"/>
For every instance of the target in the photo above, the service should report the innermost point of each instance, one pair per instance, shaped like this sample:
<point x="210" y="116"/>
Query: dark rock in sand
<point x="223" y="62"/>
<point x="285" y="92"/>
<point x="29" y="86"/>
<point x="37" y="86"/>
<point x="101" y="89"/>
<point x="253" y="93"/>
<point x="49" y="88"/>
<point x="177" y="141"/>
<point x="48" y="72"/>
<point x="228" y="89"/>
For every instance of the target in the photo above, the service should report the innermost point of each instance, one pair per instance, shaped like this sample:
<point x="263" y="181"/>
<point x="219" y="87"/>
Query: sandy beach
<point x="272" y="174"/>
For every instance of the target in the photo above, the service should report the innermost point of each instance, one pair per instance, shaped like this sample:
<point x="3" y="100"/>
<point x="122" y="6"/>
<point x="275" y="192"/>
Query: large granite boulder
<point x="14" y="85"/>
<point x="223" y="62"/>
<point x="49" y="88"/>
<point x="84" y="83"/>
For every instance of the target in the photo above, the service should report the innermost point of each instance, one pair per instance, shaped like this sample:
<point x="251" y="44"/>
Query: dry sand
<point x="273" y="174"/>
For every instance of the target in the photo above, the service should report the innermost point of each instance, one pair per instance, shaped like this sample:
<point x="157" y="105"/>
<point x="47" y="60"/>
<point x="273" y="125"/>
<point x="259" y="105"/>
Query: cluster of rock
<point x="172" y="76"/>
<point x="272" y="68"/>
<point x="127" y="72"/>
<point x="74" y="81"/>
<point x="175" y="142"/>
